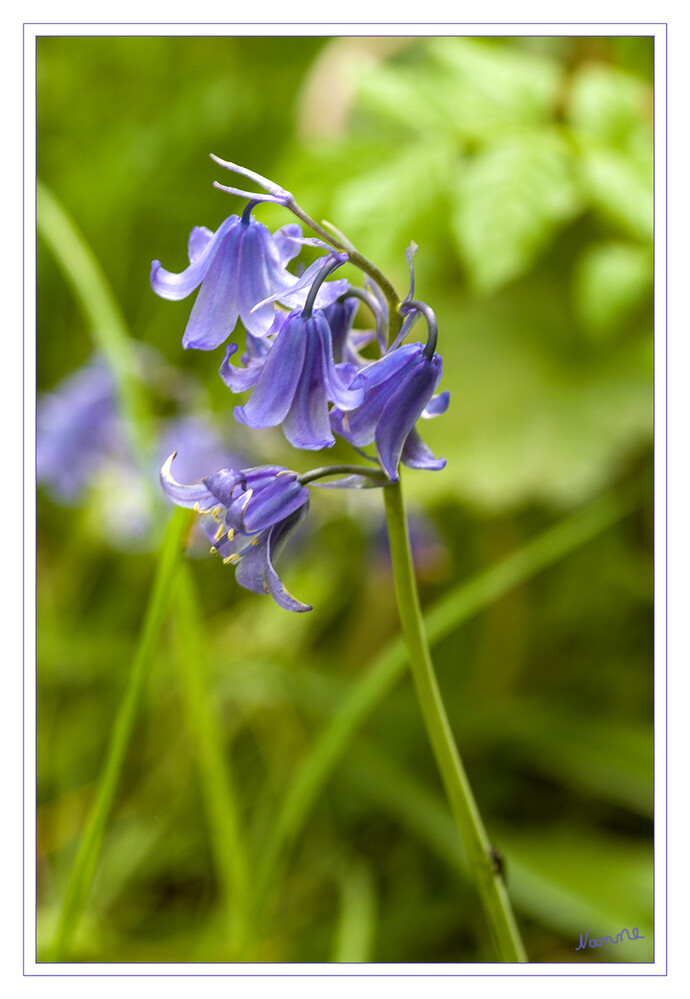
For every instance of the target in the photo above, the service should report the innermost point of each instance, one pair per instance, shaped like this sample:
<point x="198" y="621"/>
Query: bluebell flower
<point x="297" y="380"/>
<point x="245" y="376"/>
<point x="340" y="317"/>
<point x="250" y="515"/>
<point x="398" y="390"/>
<point x="78" y="428"/>
<point x="347" y="342"/>
<point x="83" y="448"/>
<point x="241" y="269"/>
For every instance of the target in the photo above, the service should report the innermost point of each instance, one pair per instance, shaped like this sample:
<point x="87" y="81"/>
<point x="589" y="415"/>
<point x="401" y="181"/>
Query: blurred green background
<point x="522" y="167"/>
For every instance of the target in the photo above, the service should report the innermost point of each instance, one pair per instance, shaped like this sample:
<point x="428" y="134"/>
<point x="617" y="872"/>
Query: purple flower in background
<point x="78" y="427"/>
<point x="253" y="512"/>
<point x="82" y="445"/>
<point x="241" y="269"/>
<point x="398" y="389"/>
<point x="297" y="380"/>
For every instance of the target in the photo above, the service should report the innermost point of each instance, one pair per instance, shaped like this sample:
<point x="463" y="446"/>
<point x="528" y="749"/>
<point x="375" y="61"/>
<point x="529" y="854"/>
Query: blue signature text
<point x="636" y="935"/>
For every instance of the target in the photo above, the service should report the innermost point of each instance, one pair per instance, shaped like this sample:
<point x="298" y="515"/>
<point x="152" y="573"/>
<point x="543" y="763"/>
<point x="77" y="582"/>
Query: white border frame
<point x="658" y="967"/>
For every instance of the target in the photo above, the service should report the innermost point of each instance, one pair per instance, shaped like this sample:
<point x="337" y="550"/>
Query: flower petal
<point x="287" y="244"/>
<point x="292" y="292"/>
<point x="178" y="286"/>
<point x="359" y="426"/>
<point x="336" y="382"/>
<point x="306" y="425"/>
<point x="254" y="281"/>
<point x="403" y="408"/>
<point x="214" y="315"/>
<point x="272" y="397"/>
<point x="437" y="405"/>
<point x="239" y="379"/>
<point x="275" y="502"/>
<point x="194" y="496"/>
<point x="222" y="483"/>
<point x="391" y="365"/>
<point x="199" y="238"/>
<point x="416" y="454"/>
<point x="255" y="570"/>
<point x="340" y="317"/>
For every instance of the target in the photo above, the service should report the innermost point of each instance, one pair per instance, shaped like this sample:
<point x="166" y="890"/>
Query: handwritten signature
<point x="608" y="940"/>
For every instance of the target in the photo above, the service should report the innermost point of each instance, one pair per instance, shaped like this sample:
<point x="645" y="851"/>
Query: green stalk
<point x="99" y="306"/>
<point x="222" y="811"/>
<point x="86" y="862"/>
<point x="458" y="606"/>
<point x="489" y="883"/>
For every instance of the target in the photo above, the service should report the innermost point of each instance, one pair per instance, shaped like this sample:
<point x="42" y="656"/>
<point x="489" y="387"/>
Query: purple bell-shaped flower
<point x="297" y="381"/>
<point x="252" y="512"/>
<point x="398" y="390"/>
<point x="239" y="266"/>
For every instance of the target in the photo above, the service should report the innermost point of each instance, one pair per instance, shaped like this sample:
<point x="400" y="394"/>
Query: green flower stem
<point x="367" y="471"/>
<point x="86" y="862"/>
<point x="101" y="311"/>
<point x="459" y="605"/>
<point x="489" y="884"/>
<point x="222" y="811"/>
<point x="359" y="260"/>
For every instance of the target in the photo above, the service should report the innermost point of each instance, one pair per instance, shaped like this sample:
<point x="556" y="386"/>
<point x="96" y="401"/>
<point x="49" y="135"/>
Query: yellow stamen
<point x="231" y="559"/>
<point x="219" y="533"/>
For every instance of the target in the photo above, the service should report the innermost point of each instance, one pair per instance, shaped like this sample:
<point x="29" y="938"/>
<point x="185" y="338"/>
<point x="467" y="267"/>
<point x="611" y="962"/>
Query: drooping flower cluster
<point x="249" y="515"/>
<point x="302" y="364"/>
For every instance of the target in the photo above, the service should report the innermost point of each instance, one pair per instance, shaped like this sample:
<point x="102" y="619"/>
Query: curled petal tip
<point x="166" y="470"/>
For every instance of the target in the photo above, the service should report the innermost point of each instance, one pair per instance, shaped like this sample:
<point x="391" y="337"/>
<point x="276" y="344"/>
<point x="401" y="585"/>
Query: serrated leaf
<point x="463" y="87"/>
<point x="378" y="209"/>
<point x="620" y="189"/>
<point x="610" y="105"/>
<point x="403" y="95"/>
<point x="489" y="88"/>
<point x="511" y="199"/>
<point x="611" y="279"/>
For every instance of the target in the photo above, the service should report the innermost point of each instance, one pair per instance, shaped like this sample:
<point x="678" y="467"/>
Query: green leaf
<point x="369" y="207"/>
<point x="611" y="279"/>
<point x="403" y="96"/>
<point x="510" y="201"/>
<point x="609" y="105"/>
<point x="620" y="189"/>
<point x="490" y="88"/>
<point x="462" y="87"/>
